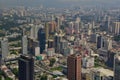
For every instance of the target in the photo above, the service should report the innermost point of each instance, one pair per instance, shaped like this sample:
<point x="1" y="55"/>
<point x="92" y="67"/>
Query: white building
<point x="88" y="62"/>
<point x="24" y="44"/>
<point x="34" y="31"/>
<point x="102" y="74"/>
<point x="4" y="47"/>
<point x="50" y="52"/>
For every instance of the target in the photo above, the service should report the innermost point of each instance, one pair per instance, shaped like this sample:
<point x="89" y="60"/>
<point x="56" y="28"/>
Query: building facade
<point x="42" y="39"/>
<point x="74" y="67"/>
<point x="26" y="67"/>
<point x="4" y="48"/>
<point x="117" y="67"/>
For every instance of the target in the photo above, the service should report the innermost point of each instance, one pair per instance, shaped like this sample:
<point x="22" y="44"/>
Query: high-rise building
<point x="117" y="67"/>
<point x="57" y="42"/>
<point x="34" y="31"/>
<point x="5" y="48"/>
<point x="52" y="26"/>
<point x="93" y="38"/>
<point x="26" y="67"/>
<point x="100" y="42"/>
<point x="47" y="31"/>
<point x="50" y="43"/>
<point x="74" y="67"/>
<point x="110" y="60"/>
<point x="58" y="23"/>
<point x="116" y="28"/>
<point x="42" y="39"/>
<point x="77" y="27"/>
<point x="24" y="45"/>
<point x="71" y="27"/>
<point x="30" y="45"/>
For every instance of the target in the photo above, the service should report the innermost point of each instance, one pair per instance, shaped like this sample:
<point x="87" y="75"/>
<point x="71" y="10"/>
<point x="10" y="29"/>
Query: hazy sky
<point x="57" y="3"/>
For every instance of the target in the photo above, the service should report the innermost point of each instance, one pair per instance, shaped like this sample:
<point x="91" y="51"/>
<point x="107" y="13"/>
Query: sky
<point x="57" y="3"/>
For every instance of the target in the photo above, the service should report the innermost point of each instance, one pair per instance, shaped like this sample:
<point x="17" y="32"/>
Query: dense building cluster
<point x="59" y="43"/>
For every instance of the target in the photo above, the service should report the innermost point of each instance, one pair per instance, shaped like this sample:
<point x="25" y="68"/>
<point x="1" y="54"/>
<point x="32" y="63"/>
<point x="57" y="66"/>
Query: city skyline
<point x="59" y="3"/>
<point x="59" y="40"/>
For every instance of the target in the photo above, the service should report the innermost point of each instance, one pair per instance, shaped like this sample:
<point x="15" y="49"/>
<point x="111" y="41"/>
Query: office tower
<point x="74" y="67"/>
<point x="34" y="31"/>
<point x="110" y="44"/>
<point x="52" y="27"/>
<point x="57" y="42"/>
<point x="58" y="20"/>
<point x="4" y="48"/>
<point x="116" y="28"/>
<point x="50" y="43"/>
<point x="24" y="45"/>
<point x="47" y="31"/>
<point x="106" y="25"/>
<point x="93" y="37"/>
<point x="63" y="44"/>
<point x="100" y="42"/>
<point x="71" y="27"/>
<point x="89" y="29"/>
<point x="52" y="17"/>
<point x="77" y="27"/>
<point x="108" y="22"/>
<point x="33" y="47"/>
<point x="117" y="67"/>
<point x="42" y="39"/>
<point x="26" y="67"/>
<point x="30" y="45"/>
<point x="105" y="43"/>
<point x="110" y="60"/>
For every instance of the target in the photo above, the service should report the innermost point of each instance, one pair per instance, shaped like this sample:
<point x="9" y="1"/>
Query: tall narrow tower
<point x="42" y="39"/>
<point x="4" y="48"/>
<point x="24" y="44"/>
<point x="117" y="67"/>
<point x="26" y="67"/>
<point x="74" y="67"/>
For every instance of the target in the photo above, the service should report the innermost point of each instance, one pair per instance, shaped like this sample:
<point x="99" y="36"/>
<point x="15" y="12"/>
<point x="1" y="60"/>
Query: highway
<point x="41" y="69"/>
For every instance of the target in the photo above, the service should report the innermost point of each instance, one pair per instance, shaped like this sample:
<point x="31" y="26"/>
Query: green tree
<point x="13" y="52"/>
<point x="44" y="77"/>
<point x="15" y="71"/>
<point x="52" y="61"/>
<point x="7" y="78"/>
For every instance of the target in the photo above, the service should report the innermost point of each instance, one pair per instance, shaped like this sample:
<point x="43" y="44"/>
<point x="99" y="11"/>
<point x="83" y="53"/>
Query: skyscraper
<point x="74" y="67"/>
<point x="4" y="47"/>
<point x="52" y="27"/>
<point x="42" y="39"/>
<point x="100" y="42"/>
<point x="34" y="31"/>
<point x="24" y="45"/>
<point x="58" y="21"/>
<point x="57" y="42"/>
<point x="116" y="28"/>
<point x="47" y="31"/>
<point x="117" y="67"/>
<point x="26" y="67"/>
